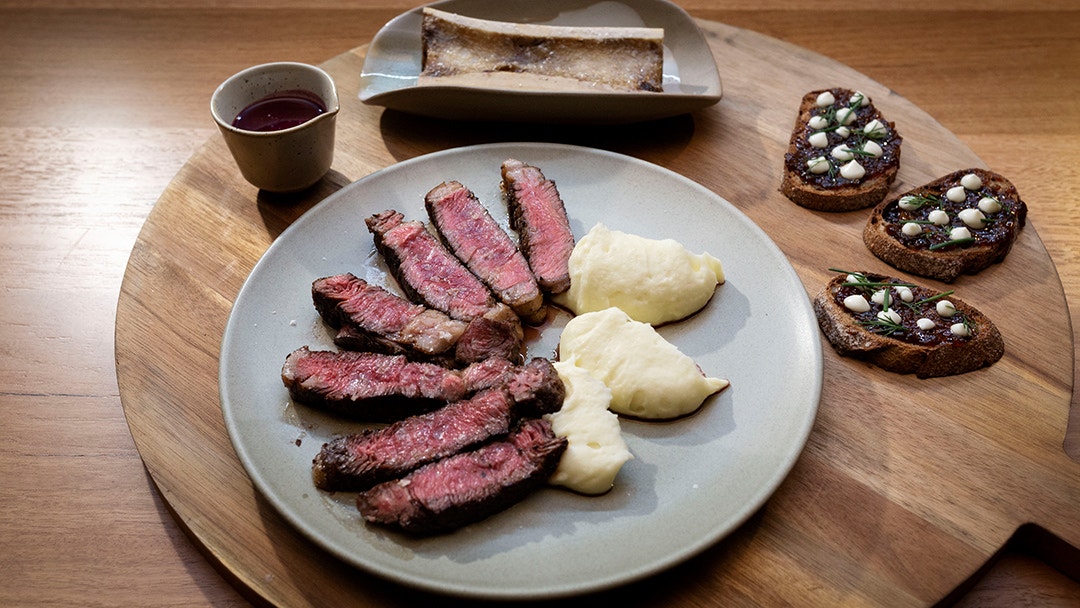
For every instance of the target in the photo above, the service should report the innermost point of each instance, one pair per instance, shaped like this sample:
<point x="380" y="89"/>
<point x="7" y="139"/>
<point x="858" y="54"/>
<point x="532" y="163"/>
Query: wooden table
<point x="102" y="106"/>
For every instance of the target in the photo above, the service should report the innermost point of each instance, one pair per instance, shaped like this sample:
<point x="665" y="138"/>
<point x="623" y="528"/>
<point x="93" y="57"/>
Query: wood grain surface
<point x="896" y="501"/>
<point x="895" y="466"/>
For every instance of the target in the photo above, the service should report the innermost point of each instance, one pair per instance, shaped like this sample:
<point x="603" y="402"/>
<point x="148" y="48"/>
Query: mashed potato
<point x="595" y="448"/>
<point x="648" y="376"/>
<point x="653" y="281"/>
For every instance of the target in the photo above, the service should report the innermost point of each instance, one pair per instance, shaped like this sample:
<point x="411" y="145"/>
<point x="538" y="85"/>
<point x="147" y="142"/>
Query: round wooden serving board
<point x="905" y="489"/>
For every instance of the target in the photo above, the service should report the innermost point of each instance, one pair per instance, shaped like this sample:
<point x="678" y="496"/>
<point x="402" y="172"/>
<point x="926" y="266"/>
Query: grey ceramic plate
<point x="691" y="80"/>
<point x="691" y="481"/>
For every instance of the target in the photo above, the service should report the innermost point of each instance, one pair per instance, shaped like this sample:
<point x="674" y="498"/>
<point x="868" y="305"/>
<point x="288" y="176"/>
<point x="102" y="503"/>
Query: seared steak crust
<point x="469" y="486"/>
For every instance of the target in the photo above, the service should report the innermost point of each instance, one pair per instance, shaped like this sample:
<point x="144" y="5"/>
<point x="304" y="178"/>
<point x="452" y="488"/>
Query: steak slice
<point x="371" y="387"/>
<point x="370" y="318"/>
<point x="359" y="461"/>
<point x="350" y="337"/>
<point x="475" y="238"/>
<point x="488" y="373"/>
<point x="378" y="387"/>
<point x="378" y="320"/>
<point x="535" y="387"/>
<point x="426" y="270"/>
<point x="538" y="216"/>
<point x="467" y="487"/>
<point x="496" y="334"/>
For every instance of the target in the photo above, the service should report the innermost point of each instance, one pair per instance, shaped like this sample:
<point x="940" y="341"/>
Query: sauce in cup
<point x="279" y="111"/>
<point x="278" y="121"/>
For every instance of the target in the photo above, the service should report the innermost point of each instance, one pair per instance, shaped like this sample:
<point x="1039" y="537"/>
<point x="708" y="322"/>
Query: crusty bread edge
<point x="942" y="265"/>
<point x="849" y="198"/>
<point x="851" y="340"/>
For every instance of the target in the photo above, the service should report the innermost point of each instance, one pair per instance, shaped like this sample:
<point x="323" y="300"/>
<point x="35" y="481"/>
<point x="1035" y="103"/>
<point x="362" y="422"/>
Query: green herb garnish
<point x="964" y="241"/>
<point x="918" y="201"/>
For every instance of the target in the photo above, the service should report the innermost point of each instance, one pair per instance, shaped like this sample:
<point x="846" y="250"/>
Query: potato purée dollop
<point x="653" y="281"/>
<point x="648" y="376"/>
<point x="595" y="449"/>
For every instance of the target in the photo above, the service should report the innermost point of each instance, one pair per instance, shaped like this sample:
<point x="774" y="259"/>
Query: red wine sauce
<point x="281" y="110"/>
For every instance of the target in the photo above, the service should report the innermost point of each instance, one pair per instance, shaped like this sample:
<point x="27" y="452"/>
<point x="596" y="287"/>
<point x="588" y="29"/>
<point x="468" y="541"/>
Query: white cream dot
<point x="875" y="128"/>
<point x="956" y="194"/>
<point x="989" y="205"/>
<point x="912" y="228"/>
<point x="971" y="181"/>
<point x="945" y="308"/>
<point x="852" y="170"/>
<point x="842" y="153"/>
<point x="817" y="165"/>
<point x="908" y="203"/>
<point x="973" y="218"/>
<point x="889" y="316"/>
<point x="960" y="233"/>
<point x="856" y="303"/>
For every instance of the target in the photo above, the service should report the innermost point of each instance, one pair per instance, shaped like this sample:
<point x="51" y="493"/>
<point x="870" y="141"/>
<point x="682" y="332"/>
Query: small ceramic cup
<point x="285" y="160"/>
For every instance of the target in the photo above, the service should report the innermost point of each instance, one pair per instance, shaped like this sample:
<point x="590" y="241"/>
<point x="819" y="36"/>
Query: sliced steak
<point x="535" y="387"/>
<point x="350" y="337"/>
<point x="371" y="318"/>
<point x="426" y="270"/>
<point x="475" y="238"/>
<point x="538" y="216"/>
<point x="359" y="461"/>
<point x="497" y="334"/>
<point x="467" y="487"/>
<point x="371" y="387"/>
<point x="488" y="373"/>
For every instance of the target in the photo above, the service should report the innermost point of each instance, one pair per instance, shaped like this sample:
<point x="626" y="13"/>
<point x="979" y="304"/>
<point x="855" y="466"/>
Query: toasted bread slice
<point x="956" y="224"/>
<point x="843" y="154"/>
<point x="911" y="330"/>
<point x="463" y="50"/>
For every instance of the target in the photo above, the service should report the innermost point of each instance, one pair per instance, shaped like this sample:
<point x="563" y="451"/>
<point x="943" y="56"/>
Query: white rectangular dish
<point x="691" y="79"/>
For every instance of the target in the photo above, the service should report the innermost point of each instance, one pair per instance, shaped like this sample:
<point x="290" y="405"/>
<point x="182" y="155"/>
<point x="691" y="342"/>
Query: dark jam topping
<point x="886" y="137"/>
<point x="996" y="226"/>
<point x="923" y="305"/>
